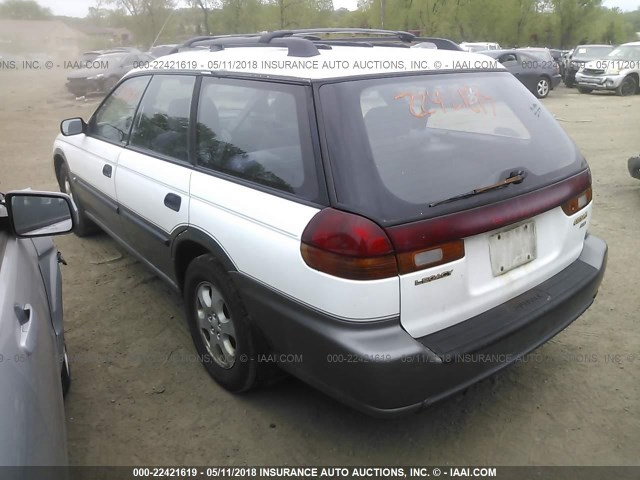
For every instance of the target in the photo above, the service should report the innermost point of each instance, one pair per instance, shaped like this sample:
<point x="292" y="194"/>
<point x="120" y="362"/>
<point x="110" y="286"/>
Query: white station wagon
<point x="389" y="224"/>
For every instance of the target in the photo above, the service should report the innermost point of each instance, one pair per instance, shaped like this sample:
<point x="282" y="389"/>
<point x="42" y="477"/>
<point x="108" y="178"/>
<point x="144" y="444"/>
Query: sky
<point x="79" y="8"/>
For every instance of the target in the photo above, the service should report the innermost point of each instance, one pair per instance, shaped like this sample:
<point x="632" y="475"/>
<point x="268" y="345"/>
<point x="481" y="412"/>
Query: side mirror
<point x="39" y="214"/>
<point x="72" y="126"/>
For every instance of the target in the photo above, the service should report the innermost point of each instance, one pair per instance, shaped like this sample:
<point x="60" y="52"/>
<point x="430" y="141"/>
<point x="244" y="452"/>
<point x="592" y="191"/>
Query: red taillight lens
<point x="348" y="246"/>
<point x="577" y="203"/>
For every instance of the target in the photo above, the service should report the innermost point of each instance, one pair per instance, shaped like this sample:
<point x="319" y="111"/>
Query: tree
<point x="24" y="10"/>
<point x="148" y="16"/>
<point x="206" y="6"/>
<point x="571" y="16"/>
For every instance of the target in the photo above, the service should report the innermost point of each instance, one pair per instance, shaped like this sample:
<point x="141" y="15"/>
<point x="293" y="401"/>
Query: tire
<point x="219" y="325"/>
<point x="634" y="167"/>
<point x="585" y="90"/>
<point x="628" y="87"/>
<point x="83" y="226"/>
<point x="65" y="374"/>
<point x="543" y="87"/>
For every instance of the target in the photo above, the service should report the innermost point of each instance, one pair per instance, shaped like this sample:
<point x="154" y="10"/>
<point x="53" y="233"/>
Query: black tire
<point x="65" y="374"/>
<point x="634" y="167"/>
<point x="585" y="90"/>
<point x="222" y="332"/>
<point x="543" y="87"/>
<point x="629" y="86"/>
<point x="84" y="226"/>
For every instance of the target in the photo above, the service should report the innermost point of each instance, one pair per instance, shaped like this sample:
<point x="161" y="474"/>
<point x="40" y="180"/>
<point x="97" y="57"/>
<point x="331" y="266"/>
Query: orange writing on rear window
<point x="464" y="98"/>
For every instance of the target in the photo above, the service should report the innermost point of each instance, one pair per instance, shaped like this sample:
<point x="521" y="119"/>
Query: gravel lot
<point x="138" y="397"/>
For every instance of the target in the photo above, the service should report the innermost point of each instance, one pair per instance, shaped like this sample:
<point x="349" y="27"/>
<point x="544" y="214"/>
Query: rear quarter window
<point x="259" y="132"/>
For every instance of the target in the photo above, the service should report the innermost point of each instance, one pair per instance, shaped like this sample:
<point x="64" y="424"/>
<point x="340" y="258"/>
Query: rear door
<point x="152" y="182"/>
<point x="93" y="157"/>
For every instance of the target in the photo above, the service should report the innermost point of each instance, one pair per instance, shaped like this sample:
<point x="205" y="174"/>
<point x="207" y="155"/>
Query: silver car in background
<point x="619" y="71"/>
<point x="34" y="370"/>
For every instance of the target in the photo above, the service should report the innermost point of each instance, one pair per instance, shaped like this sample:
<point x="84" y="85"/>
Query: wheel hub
<point x="215" y="325"/>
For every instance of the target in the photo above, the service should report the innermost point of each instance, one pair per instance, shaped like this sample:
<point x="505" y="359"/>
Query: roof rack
<point x="441" y="43"/>
<point x="302" y="42"/>
<point x="208" y="38"/>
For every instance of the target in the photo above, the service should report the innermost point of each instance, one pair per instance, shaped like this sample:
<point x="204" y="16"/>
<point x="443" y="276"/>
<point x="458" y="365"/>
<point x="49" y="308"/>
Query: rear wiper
<point x="514" y="177"/>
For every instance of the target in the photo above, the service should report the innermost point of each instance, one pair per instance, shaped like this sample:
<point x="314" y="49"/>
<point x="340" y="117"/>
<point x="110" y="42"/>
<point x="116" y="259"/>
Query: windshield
<point x="626" y="52"/>
<point x="398" y="144"/>
<point x="591" y="52"/>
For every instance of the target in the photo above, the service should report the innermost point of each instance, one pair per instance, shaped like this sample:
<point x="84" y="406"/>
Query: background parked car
<point x="161" y="50"/>
<point x="558" y="57"/>
<point x="580" y="56"/>
<point x="104" y="72"/>
<point x="34" y="373"/>
<point x="540" y="76"/>
<point x="619" y="72"/>
<point x="479" y="46"/>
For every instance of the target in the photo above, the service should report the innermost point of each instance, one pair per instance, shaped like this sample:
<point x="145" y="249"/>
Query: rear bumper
<point x="379" y="368"/>
<point x="555" y="80"/>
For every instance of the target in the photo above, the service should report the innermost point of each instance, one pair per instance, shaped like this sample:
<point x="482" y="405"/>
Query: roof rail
<point x="303" y="42"/>
<point x="400" y="35"/>
<point x="204" y="38"/>
<point x="441" y="43"/>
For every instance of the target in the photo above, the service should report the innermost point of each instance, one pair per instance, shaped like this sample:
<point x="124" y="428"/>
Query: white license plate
<point x="512" y="248"/>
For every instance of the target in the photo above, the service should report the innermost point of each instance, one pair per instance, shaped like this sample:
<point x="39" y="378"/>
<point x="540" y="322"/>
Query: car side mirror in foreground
<point x="39" y="214"/>
<point x="72" y="126"/>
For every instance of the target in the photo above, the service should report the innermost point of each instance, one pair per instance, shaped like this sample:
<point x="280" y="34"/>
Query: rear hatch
<point x="415" y="153"/>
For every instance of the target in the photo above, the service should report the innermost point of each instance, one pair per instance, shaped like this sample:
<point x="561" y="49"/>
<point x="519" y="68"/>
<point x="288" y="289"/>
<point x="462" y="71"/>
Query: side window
<point x="162" y="122"/>
<point x="508" y="59"/>
<point x="114" y="118"/>
<point x="259" y="132"/>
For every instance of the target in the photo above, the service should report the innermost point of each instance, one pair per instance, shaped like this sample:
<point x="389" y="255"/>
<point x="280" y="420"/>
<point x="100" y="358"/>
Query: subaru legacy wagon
<point x="388" y="224"/>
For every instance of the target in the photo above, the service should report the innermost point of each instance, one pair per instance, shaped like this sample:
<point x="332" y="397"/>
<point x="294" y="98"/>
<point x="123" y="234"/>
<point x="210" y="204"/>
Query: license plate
<point x="512" y="248"/>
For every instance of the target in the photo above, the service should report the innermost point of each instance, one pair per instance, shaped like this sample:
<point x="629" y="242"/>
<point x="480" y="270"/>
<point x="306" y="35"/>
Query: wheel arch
<point x="636" y="77"/>
<point x="189" y="244"/>
<point x="58" y="160"/>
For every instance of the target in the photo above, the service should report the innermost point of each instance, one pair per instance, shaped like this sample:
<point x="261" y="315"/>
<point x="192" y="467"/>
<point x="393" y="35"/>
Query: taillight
<point x="348" y="246"/>
<point x="577" y="203"/>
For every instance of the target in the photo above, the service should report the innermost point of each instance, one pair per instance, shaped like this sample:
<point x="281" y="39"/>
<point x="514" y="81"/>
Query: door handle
<point x="106" y="170"/>
<point x="172" y="201"/>
<point x="27" y="327"/>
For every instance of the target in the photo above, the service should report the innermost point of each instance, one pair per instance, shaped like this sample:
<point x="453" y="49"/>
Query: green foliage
<point x="23" y="10"/>
<point x="553" y="23"/>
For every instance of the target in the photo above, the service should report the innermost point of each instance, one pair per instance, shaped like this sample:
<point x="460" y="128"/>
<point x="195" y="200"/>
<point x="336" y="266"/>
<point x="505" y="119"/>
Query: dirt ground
<point x="138" y="396"/>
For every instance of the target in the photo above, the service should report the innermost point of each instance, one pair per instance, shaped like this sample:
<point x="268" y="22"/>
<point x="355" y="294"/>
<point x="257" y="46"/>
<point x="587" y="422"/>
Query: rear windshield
<point x="398" y="144"/>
